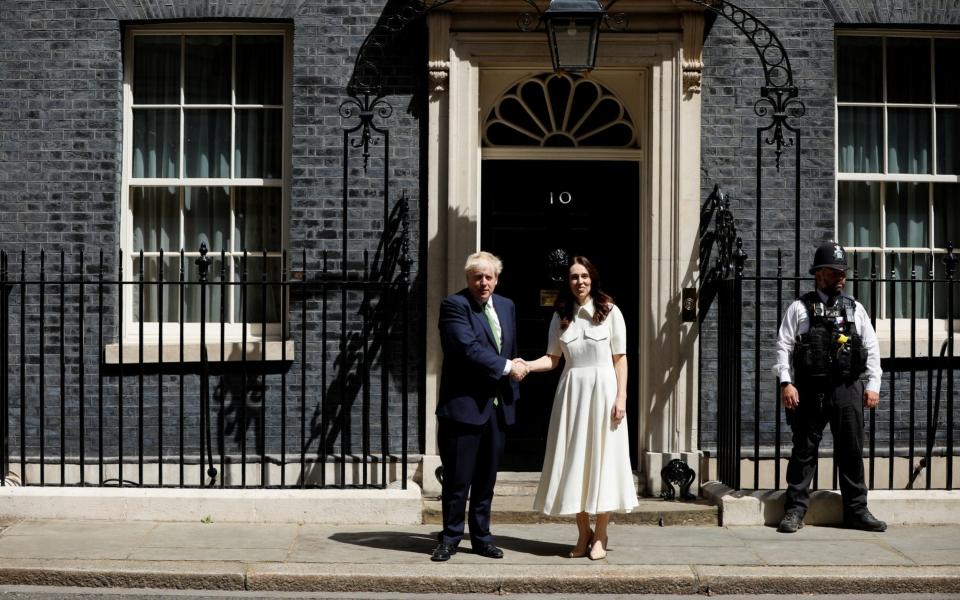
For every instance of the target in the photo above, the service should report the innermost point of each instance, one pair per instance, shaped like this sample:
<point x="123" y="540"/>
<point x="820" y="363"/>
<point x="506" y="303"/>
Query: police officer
<point x="826" y="343"/>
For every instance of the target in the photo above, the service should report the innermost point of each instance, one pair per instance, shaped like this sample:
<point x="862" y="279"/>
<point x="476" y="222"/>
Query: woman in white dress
<point x="586" y="469"/>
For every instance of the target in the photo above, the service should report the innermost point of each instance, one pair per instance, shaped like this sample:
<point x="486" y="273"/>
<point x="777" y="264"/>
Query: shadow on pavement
<point x="418" y="543"/>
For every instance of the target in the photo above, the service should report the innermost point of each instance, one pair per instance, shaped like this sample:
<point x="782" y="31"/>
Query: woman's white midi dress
<point x="587" y="462"/>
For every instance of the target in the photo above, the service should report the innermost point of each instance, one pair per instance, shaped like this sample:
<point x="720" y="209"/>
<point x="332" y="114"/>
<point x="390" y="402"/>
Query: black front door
<point x="530" y="208"/>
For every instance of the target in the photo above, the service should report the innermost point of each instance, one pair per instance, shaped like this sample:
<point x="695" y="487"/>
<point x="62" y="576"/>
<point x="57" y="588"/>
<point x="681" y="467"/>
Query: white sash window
<point x="206" y="161"/>
<point x="898" y="161"/>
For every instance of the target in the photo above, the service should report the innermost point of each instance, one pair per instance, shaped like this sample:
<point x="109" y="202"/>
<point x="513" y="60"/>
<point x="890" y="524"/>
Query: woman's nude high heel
<point x="598" y="549"/>
<point x="579" y="551"/>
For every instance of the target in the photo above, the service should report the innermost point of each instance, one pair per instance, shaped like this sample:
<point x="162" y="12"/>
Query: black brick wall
<point x="61" y="68"/>
<point x="731" y="84"/>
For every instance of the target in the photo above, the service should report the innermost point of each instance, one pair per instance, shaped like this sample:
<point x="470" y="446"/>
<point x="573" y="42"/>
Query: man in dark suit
<point x="478" y="391"/>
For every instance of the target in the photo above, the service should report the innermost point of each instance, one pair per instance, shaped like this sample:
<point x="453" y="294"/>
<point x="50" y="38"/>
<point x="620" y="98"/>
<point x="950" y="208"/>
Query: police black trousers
<point x="840" y="405"/>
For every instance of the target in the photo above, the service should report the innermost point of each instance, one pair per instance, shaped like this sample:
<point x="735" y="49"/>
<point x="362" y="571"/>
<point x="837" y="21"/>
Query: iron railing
<point x="912" y="429"/>
<point x="319" y="399"/>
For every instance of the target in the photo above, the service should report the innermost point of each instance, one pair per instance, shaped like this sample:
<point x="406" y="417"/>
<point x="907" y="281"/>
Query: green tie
<point x="491" y="319"/>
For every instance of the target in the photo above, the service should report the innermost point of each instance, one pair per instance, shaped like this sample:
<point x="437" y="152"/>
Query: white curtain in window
<point x="151" y="291"/>
<point x="908" y="218"/>
<point x="946" y="207"/>
<point x="861" y="135"/>
<point x="858" y="213"/>
<point x="948" y="141"/>
<point x="909" y="140"/>
<point x="156" y="147"/>
<point x="156" y="219"/>
<point x="905" y="293"/>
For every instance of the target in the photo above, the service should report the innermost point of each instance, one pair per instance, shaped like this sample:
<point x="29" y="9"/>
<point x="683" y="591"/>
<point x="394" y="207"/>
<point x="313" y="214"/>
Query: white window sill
<point x="232" y="351"/>
<point x="902" y="345"/>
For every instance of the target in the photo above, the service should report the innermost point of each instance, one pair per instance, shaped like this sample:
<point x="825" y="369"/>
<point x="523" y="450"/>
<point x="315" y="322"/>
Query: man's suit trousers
<point x="471" y="456"/>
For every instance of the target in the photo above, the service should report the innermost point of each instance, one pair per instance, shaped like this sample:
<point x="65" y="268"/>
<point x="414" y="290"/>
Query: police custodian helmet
<point x="831" y="255"/>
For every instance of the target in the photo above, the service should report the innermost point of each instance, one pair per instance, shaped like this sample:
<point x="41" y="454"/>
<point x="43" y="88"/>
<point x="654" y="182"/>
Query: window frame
<point x="900" y="324"/>
<point x="233" y="331"/>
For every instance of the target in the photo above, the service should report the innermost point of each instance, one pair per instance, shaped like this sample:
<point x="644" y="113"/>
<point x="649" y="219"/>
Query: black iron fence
<point x="910" y="437"/>
<point x="218" y="376"/>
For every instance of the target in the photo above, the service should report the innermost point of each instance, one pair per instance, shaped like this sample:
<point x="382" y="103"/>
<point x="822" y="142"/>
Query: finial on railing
<point x="203" y="263"/>
<point x="950" y="260"/>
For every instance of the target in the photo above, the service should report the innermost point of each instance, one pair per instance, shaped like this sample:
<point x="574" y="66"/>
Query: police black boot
<point x="864" y="521"/>
<point x="791" y="522"/>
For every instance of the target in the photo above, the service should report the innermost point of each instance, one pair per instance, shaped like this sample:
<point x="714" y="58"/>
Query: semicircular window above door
<point x="559" y="110"/>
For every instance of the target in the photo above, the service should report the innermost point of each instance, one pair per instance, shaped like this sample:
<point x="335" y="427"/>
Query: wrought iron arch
<point x="779" y="96"/>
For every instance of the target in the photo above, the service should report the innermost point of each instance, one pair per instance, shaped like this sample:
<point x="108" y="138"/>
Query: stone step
<point x="518" y="509"/>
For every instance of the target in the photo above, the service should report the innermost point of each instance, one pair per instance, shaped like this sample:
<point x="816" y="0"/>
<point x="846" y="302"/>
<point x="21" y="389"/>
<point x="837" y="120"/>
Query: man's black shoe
<point x="791" y="523"/>
<point x="488" y="550"/>
<point x="443" y="552"/>
<point x="864" y="521"/>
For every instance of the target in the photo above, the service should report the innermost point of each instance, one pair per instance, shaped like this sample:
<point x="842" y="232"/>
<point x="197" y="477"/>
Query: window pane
<point x="258" y="222"/>
<point x="941" y="306"/>
<point x="948" y="146"/>
<point x="859" y="284"/>
<point x="207" y="143"/>
<point x="908" y="70"/>
<point x="861" y="135"/>
<point x="156" y="219"/>
<point x="156" y="143"/>
<point x="192" y="292"/>
<point x="252" y="295"/>
<point x="206" y="218"/>
<point x="156" y="69"/>
<point x="152" y="299"/>
<point x="207" y="69"/>
<point x="858" y="213"/>
<point x="909" y="130"/>
<point x="903" y="296"/>
<point x="948" y="84"/>
<point x="946" y="214"/>
<point x="907" y="206"/>
<point x="859" y="69"/>
<point x="259" y="69"/>
<point x="259" y="139"/>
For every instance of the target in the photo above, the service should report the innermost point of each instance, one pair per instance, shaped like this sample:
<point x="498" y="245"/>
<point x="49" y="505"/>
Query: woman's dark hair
<point x="566" y="303"/>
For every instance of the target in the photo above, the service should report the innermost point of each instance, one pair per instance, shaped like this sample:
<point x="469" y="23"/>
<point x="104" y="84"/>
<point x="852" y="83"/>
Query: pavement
<point x="691" y="559"/>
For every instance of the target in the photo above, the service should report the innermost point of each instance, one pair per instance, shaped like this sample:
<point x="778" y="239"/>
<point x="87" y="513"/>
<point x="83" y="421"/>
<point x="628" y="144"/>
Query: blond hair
<point x="478" y="259"/>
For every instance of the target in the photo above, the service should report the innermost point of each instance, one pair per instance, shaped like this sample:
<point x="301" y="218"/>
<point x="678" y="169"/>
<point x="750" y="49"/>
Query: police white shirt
<point x="796" y="322"/>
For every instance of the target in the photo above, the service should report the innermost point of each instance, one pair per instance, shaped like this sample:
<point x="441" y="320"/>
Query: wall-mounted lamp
<point x="573" y="30"/>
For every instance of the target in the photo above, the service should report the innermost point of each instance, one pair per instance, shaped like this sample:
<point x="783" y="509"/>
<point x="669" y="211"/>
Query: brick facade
<point x="60" y="142"/>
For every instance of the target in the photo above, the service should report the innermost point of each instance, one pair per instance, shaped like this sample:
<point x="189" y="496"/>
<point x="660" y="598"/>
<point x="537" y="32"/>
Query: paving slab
<point x="379" y="558"/>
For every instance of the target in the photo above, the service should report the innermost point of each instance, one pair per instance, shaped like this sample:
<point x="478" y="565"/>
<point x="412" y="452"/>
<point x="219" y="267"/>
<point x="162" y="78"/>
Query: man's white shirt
<point x="797" y="322"/>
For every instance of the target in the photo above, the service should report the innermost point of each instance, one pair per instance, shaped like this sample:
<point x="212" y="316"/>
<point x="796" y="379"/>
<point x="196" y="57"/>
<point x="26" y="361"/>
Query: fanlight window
<point x="559" y="110"/>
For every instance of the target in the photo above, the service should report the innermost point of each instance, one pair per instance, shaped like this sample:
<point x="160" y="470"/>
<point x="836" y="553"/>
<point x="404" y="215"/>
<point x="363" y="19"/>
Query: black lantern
<point x="573" y="27"/>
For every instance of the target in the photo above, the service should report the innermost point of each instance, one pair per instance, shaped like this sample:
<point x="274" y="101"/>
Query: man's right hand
<point x="518" y="369"/>
<point x="789" y="396"/>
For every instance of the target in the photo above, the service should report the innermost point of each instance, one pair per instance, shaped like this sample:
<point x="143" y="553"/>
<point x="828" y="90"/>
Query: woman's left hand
<point x="619" y="411"/>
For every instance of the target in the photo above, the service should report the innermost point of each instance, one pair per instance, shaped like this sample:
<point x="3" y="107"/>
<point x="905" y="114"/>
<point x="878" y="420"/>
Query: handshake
<point x="519" y="369"/>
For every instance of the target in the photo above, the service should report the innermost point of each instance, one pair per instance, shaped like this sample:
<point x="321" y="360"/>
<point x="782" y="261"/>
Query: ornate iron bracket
<point x="729" y="246"/>
<point x="365" y="108"/>
<point x="779" y="96"/>
<point x="730" y="256"/>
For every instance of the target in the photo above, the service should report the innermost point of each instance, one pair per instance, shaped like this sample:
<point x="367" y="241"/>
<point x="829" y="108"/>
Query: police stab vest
<point x="832" y="348"/>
